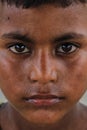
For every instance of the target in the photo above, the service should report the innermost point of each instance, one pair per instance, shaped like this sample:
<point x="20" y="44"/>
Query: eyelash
<point x="72" y="47"/>
<point x="69" y="47"/>
<point x="19" y="48"/>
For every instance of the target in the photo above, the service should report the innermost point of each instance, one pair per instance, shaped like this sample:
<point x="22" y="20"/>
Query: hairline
<point x="35" y="3"/>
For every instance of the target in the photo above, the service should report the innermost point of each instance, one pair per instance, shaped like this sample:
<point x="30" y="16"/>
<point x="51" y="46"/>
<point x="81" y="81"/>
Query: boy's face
<point x="43" y="60"/>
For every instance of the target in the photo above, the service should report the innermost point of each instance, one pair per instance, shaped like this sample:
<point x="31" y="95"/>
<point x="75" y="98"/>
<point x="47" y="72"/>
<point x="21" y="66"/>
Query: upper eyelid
<point x="13" y="43"/>
<point x="77" y="44"/>
<point x="12" y="49"/>
<point x="67" y="54"/>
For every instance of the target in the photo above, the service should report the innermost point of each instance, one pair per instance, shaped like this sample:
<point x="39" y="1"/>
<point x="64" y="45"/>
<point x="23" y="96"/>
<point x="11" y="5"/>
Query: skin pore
<point x="43" y="51"/>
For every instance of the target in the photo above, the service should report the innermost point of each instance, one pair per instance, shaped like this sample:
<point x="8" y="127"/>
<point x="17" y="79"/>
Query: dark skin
<point x="43" y="51"/>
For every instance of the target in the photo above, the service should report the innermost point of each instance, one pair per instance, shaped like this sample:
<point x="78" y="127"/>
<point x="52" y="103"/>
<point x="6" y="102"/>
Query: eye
<point x="66" y="48"/>
<point x="19" y="48"/>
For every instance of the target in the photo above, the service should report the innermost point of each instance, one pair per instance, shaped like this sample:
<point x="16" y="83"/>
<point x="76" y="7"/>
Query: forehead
<point x="46" y="18"/>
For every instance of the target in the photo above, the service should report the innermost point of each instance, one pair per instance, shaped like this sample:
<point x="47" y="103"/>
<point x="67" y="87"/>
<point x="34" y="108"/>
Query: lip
<point x="43" y="100"/>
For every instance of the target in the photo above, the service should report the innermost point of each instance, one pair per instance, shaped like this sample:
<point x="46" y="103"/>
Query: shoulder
<point x="83" y="108"/>
<point x="2" y="106"/>
<point x="82" y="116"/>
<point x="79" y="117"/>
<point x="2" y="111"/>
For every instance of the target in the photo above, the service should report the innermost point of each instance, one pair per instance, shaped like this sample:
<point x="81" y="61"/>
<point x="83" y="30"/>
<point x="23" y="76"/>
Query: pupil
<point x="66" y="48"/>
<point x="19" y="48"/>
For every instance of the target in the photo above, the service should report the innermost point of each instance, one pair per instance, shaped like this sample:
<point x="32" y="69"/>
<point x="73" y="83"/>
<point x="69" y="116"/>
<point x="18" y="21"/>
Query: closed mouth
<point x="43" y="100"/>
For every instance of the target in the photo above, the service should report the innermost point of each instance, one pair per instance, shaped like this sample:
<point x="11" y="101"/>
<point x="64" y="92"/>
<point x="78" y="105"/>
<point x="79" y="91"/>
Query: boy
<point x="43" y="64"/>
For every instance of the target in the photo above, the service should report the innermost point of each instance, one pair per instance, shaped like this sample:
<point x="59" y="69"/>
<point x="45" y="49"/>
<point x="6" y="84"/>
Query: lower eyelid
<point x="61" y="52"/>
<point x="13" y="49"/>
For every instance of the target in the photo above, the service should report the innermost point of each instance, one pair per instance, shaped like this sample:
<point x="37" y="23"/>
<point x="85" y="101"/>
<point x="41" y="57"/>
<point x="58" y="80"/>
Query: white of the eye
<point x="72" y="50"/>
<point x="14" y="50"/>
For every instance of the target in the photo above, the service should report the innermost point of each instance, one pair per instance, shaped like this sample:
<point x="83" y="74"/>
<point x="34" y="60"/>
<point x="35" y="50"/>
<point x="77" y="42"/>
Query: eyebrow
<point x="25" y="38"/>
<point x="17" y="36"/>
<point x="68" y="36"/>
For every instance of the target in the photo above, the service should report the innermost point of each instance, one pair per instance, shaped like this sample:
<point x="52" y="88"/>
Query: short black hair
<point x="36" y="3"/>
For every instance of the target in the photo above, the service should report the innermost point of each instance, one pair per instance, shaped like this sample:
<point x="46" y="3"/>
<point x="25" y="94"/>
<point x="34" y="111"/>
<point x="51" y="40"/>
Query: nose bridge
<point x="44" y="71"/>
<point x="45" y="65"/>
<point x="44" y="61"/>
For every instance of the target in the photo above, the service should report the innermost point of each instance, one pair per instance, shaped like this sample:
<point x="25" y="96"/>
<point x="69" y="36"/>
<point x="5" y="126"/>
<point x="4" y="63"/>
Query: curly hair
<point x="35" y="3"/>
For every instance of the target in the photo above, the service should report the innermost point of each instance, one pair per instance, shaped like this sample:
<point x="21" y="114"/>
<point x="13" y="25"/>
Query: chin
<point x="41" y="117"/>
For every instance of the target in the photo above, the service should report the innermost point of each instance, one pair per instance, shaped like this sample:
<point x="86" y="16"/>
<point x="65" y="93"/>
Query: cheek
<point x="76" y="82"/>
<point x="9" y="78"/>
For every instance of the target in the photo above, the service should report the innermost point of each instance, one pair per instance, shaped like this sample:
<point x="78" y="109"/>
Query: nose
<point x="49" y="77"/>
<point x="44" y="71"/>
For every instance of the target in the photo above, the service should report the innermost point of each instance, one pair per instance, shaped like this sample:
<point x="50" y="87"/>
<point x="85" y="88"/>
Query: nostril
<point x="52" y="81"/>
<point x="34" y="81"/>
<point x="34" y="76"/>
<point x="37" y="76"/>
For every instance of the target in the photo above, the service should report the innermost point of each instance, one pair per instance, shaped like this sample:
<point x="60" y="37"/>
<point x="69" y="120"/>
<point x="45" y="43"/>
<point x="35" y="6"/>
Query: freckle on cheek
<point x="8" y="18"/>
